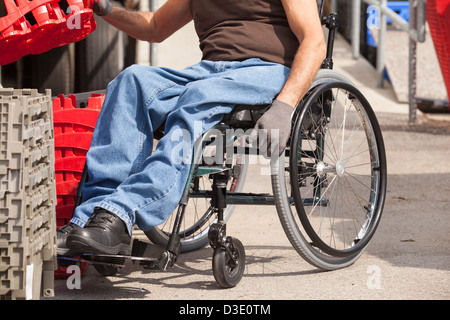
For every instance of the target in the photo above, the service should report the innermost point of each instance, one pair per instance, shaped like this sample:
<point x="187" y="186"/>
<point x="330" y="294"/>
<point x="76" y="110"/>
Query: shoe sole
<point x="83" y="245"/>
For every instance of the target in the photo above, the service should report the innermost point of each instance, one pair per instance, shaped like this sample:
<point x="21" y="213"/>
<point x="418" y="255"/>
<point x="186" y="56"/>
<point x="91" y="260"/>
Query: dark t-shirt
<point x="235" y="30"/>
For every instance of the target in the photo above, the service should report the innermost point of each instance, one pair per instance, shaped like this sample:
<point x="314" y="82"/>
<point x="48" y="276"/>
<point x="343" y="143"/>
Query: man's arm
<point x="151" y="26"/>
<point x="304" y="21"/>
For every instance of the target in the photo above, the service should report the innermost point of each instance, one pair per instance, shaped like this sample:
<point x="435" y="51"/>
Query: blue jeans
<point x="125" y="177"/>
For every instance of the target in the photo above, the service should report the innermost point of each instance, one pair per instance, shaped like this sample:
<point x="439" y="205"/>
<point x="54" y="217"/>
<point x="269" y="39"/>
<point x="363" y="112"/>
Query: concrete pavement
<point x="409" y="257"/>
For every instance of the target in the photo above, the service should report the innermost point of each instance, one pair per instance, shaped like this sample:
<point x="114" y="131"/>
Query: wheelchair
<point x="328" y="186"/>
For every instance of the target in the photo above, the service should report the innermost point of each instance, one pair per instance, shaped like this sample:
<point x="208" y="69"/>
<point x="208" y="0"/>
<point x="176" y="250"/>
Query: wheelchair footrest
<point x="146" y="254"/>
<point x="112" y="260"/>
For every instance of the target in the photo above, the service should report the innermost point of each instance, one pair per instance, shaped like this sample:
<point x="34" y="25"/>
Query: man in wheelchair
<point x="254" y="53"/>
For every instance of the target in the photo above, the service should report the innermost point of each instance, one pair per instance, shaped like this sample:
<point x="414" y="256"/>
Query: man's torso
<point x="235" y="30"/>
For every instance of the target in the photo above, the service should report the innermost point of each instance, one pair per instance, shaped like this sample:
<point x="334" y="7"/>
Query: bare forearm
<point x="134" y="23"/>
<point x="304" y="69"/>
<point x="304" y="21"/>
<point x="152" y="26"/>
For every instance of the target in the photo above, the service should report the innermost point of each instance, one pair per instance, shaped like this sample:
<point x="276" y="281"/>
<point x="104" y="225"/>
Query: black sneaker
<point x="103" y="233"/>
<point x="61" y="237"/>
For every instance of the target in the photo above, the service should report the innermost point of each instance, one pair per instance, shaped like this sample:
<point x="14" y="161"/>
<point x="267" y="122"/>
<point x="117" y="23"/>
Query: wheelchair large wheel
<point x="199" y="214"/>
<point x="330" y="192"/>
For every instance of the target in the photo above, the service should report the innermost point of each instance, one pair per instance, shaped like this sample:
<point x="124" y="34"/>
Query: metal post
<point x="416" y="31"/>
<point x="153" y="46"/>
<point x="412" y="63"/>
<point x="356" y="25"/>
<point x="333" y="5"/>
<point x="381" y="45"/>
<point x="421" y="20"/>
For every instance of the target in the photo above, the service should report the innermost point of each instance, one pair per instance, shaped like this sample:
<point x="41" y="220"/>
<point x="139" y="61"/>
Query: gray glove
<point x="277" y="125"/>
<point x="102" y="7"/>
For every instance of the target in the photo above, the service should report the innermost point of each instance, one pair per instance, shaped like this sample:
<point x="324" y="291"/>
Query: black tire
<point x="309" y="188"/>
<point x="225" y="272"/>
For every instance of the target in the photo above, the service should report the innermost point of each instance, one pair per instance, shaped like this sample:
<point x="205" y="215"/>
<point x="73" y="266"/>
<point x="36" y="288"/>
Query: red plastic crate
<point x="438" y="17"/>
<point x="73" y="129"/>
<point x="48" y="27"/>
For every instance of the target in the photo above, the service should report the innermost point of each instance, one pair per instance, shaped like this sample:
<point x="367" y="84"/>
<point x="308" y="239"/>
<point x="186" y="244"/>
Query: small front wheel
<point x="229" y="263"/>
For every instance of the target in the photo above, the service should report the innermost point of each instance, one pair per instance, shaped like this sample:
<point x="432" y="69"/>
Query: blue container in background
<point x="400" y="7"/>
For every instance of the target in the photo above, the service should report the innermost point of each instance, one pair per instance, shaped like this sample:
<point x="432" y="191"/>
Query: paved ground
<point x="409" y="257"/>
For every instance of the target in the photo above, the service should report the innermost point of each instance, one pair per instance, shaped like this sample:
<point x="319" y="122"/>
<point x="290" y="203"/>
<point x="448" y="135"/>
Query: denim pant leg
<point x="148" y="197"/>
<point x="137" y="102"/>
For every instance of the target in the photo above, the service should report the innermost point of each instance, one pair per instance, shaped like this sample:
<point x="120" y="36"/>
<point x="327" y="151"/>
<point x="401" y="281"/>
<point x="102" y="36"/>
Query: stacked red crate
<point x="73" y="129"/>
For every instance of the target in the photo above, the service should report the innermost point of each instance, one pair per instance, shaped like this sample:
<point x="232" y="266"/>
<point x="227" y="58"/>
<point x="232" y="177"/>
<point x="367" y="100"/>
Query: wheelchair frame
<point x="229" y="253"/>
<point x="219" y="195"/>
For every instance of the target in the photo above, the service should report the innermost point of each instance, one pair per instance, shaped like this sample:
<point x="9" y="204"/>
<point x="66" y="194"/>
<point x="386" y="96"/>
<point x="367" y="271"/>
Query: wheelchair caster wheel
<point x="229" y="263"/>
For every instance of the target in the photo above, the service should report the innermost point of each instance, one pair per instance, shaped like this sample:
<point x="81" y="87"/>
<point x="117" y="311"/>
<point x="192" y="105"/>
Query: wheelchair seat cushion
<point x="242" y="117"/>
<point x="245" y="116"/>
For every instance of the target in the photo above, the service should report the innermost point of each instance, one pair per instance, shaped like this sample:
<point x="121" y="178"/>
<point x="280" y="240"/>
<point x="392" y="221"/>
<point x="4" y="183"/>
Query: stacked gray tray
<point x="27" y="195"/>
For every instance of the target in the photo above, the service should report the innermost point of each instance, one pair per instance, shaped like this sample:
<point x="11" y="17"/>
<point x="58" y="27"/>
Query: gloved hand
<point x="277" y="123"/>
<point x="102" y="7"/>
